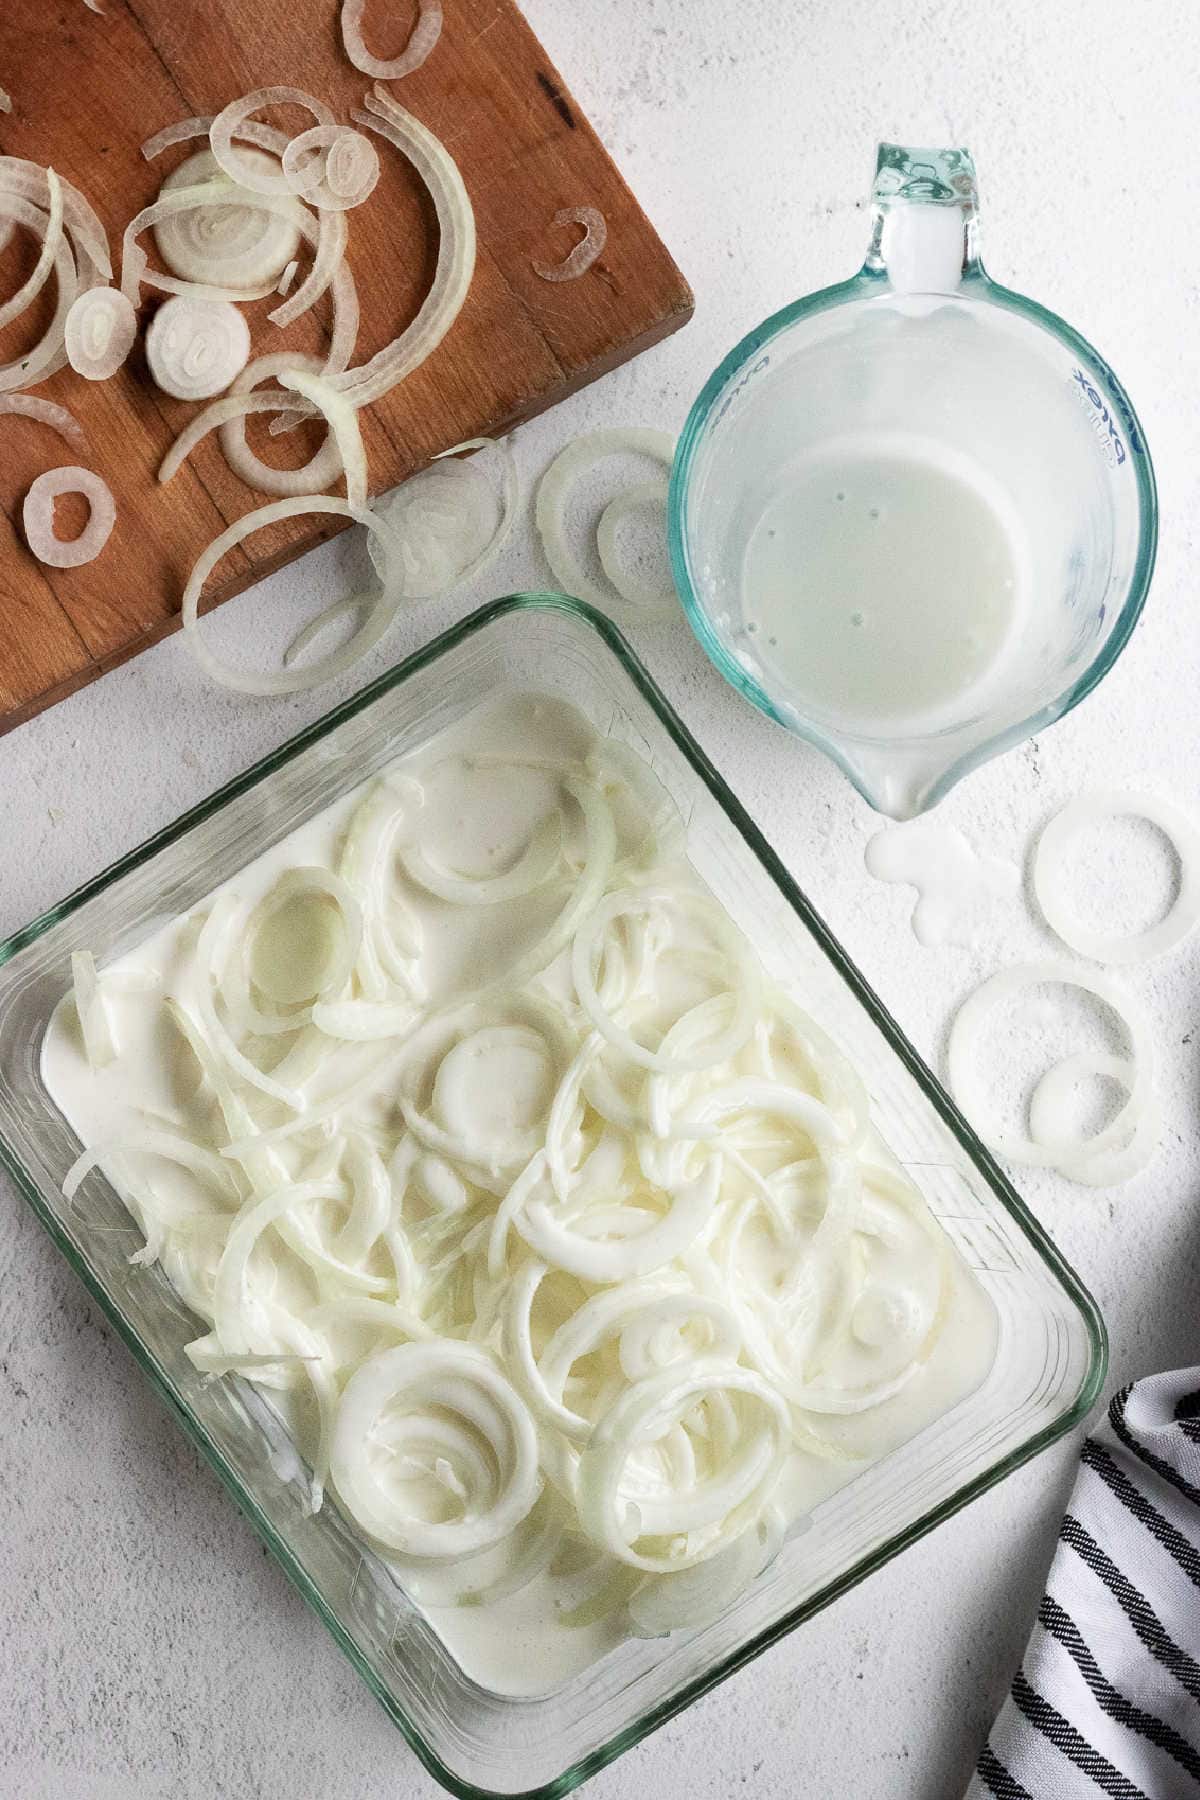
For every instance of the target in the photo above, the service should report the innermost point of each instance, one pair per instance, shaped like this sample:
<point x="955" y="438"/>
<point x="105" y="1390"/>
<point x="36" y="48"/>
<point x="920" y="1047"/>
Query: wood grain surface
<point x="87" y="90"/>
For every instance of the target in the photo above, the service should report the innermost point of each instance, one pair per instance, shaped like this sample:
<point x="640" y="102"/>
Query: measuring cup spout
<point x="896" y="780"/>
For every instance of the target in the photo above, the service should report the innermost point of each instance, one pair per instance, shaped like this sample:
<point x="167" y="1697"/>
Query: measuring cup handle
<point x="924" y="223"/>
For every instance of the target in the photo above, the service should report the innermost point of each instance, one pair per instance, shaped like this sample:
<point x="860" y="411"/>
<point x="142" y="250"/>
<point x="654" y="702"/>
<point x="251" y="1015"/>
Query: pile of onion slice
<point x="571" y="1266"/>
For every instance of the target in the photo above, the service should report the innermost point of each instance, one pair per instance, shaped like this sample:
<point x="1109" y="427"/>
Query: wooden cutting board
<point x="88" y="89"/>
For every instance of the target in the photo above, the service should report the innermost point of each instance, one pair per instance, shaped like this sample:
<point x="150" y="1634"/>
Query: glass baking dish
<point x="1051" y="1352"/>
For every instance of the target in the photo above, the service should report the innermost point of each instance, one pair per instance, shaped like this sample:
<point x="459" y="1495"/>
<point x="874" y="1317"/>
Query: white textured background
<point x="147" y="1645"/>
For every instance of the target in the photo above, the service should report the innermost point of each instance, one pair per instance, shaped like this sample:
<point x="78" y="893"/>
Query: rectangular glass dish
<point x="1051" y="1353"/>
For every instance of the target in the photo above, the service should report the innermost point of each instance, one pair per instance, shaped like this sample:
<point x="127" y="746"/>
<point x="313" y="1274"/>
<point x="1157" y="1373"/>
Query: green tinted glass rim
<point x="865" y="285"/>
<point x="971" y="1145"/>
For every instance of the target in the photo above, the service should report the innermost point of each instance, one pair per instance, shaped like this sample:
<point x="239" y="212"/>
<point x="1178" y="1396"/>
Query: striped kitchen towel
<point x="1107" y="1698"/>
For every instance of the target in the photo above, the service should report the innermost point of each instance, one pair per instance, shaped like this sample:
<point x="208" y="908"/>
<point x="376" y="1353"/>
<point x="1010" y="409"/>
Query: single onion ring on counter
<point x="1105" y="1168"/>
<point x="639" y="594"/>
<point x="968" y="1092"/>
<point x="332" y="166"/>
<point x="99" y="332"/>
<point x="425" y="34"/>
<point x="288" y="681"/>
<point x="195" y="348"/>
<point x="1180" y="832"/>
<point x="447" y="1396"/>
<point x="590" y="246"/>
<point x="37" y="516"/>
<point x="32" y="406"/>
<point x="554" y="491"/>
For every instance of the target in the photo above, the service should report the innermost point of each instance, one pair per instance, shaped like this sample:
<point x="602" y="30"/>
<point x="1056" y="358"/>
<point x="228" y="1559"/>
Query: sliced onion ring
<point x="32" y="406"/>
<point x="554" y="491"/>
<point x="1051" y="854"/>
<point x="294" y="681"/>
<point x="52" y="237"/>
<point x="38" y="518"/>
<point x="650" y="601"/>
<point x="425" y="34"/>
<point x="1106" y="1168"/>
<point x="456" y="250"/>
<point x="589" y="247"/>
<point x="99" y="333"/>
<point x="968" y="1091"/>
<point x="642" y="1413"/>
<point x="344" y="428"/>
<point x="231" y="118"/>
<point x="332" y="166"/>
<point x="447" y="1381"/>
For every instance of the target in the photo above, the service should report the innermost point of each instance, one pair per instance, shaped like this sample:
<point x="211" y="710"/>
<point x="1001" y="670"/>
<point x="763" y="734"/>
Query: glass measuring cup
<point x="920" y="347"/>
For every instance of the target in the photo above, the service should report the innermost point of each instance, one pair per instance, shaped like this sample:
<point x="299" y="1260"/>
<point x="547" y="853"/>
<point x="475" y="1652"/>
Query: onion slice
<point x="456" y="251"/>
<point x="195" y="348"/>
<point x="99" y="333"/>
<point x="94" y="1024"/>
<point x="332" y="166"/>
<point x="644" y="598"/>
<point x="1053" y="848"/>
<point x="38" y="518"/>
<point x="48" y="355"/>
<point x="380" y="617"/>
<point x="344" y="428"/>
<point x="485" y="1428"/>
<point x="425" y="34"/>
<point x="1105" y="1168"/>
<point x="32" y="406"/>
<point x="38" y="276"/>
<point x="230" y="121"/>
<point x="554" y="491"/>
<point x="589" y="247"/>
<point x="966" y="1087"/>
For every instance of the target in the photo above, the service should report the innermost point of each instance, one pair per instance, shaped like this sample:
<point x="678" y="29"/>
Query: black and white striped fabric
<point x="1107" y="1698"/>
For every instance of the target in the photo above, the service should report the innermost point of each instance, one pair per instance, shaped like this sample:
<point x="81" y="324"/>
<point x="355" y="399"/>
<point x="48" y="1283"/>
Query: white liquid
<point x="883" y="587"/>
<point x="956" y="884"/>
<point x="475" y="818"/>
